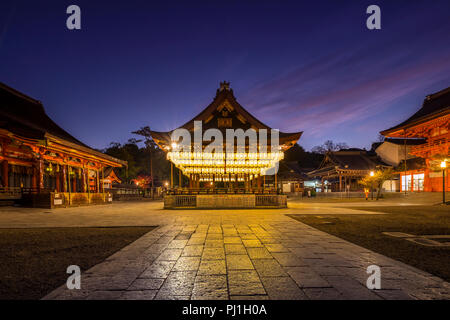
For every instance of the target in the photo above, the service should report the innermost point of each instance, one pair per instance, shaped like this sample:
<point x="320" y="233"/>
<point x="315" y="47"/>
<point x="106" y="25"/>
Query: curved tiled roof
<point x="433" y="106"/>
<point x="26" y="117"/>
<point x="225" y="94"/>
<point x="348" y="160"/>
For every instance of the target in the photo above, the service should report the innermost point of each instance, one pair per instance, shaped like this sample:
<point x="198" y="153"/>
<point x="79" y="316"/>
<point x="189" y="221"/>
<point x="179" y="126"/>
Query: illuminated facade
<point x="42" y="164"/>
<point x="432" y="123"/>
<point x="243" y="168"/>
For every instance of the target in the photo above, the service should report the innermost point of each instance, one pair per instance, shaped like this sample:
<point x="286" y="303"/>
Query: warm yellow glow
<point x="372" y="173"/>
<point x="444" y="164"/>
<point x="204" y="163"/>
<point x="174" y="145"/>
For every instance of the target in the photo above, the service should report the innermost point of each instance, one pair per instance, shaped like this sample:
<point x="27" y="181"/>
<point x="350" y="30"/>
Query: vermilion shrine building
<point x="432" y="123"/>
<point x="41" y="163"/>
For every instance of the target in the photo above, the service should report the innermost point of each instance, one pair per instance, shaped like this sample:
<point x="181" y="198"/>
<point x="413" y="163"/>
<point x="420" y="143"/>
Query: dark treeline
<point x="306" y="159"/>
<point x="139" y="160"/>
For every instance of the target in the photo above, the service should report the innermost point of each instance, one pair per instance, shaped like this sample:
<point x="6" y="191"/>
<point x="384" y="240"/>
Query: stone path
<point x="247" y="257"/>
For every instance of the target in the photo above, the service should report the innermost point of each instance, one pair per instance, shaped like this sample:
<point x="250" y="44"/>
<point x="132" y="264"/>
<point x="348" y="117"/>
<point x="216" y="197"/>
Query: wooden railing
<point x="193" y="191"/>
<point x="266" y="200"/>
<point x="10" y="193"/>
<point x="185" y="201"/>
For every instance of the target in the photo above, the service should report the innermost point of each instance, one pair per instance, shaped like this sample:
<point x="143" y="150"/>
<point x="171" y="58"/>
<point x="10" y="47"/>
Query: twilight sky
<point x="309" y="66"/>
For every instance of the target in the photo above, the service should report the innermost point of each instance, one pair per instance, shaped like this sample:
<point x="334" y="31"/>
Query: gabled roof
<point x="109" y="172"/>
<point x="290" y="171"/>
<point x="26" y="117"/>
<point x="434" y="105"/>
<point x="346" y="161"/>
<point x="241" y="118"/>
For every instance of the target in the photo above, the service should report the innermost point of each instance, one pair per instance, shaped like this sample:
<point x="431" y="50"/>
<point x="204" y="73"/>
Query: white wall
<point x="392" y="153"/>
<point x="391" y="185"/>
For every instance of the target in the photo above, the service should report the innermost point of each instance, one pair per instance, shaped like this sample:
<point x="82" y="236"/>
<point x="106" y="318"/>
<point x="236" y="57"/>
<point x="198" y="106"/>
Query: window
<point x="406" y="183"/>
<point x="418" y="180"/>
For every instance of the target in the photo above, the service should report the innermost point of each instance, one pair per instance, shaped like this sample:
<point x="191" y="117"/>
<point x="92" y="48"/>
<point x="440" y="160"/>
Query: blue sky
<point x="296" y="65"/>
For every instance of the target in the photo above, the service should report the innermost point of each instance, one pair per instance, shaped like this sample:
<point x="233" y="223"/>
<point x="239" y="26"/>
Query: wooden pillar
<point x="88" y="182"/>
<point x="426" y="179"/>
<point x="190" y="181"/>
<point x="103" y="182"/>
<point x="58" y="181"/>
<point x="98" y="181"/>
<point x="41" y="174"/>
<point x="34" y="178"/>
<point x="74" y="184"/>
<point x="340" y="183"/>
<point x="276" y="182"/>
<point x="83" y="180"/>
<point x="180" y="178"/>
<point x="64" y="186"/>
<point x="171" y="175"/>
<point x="5" y="173"/>
<point x="69" y="187"/>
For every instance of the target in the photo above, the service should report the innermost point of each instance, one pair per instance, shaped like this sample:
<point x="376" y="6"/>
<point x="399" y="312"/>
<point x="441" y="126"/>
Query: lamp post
<point x="443" y="166"/>
<point x="371" y="185"/>
<point x="174" y="147"/>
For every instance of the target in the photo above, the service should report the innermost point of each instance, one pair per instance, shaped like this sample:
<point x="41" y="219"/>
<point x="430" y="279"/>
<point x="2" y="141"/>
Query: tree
<point x="382" y="176"/>
<point x="329" y="146"/>
<point x="138" y="160"/>
<point x="377" y="180"/>
<point x="305" y="159"/>
<point x="150" y="146"/>
<point x="380" y="138"/>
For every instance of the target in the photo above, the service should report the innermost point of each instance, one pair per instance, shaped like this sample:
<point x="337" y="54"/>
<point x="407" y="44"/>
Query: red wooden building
<point x="431" y="122"/>
<point x="41" y="162"/>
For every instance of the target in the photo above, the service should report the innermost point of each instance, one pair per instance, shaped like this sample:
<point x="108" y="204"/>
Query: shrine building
<point x="431" y="123"/>
<point x="223" y="179"/>
<point x="42" y="165"/>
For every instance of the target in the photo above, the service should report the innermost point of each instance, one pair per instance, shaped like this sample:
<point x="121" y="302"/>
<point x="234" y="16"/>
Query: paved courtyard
<point x="229" y="254"/>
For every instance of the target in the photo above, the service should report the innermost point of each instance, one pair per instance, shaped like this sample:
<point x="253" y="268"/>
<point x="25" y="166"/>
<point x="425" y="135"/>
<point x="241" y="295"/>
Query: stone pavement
<point x="243" y="254"/>
<point x="153" y="214"/>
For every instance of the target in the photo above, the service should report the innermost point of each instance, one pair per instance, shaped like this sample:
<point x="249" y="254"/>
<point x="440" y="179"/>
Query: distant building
<point x="341" y="170"/>
<point x="432" y="124"/>
<point x="110" y="178"/>
<point x="291" y="177"/>
<point x="394" y="151"/>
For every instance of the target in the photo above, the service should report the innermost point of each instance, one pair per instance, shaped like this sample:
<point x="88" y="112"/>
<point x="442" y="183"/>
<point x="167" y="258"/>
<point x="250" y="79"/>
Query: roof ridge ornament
<point x="224" y="86"/>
